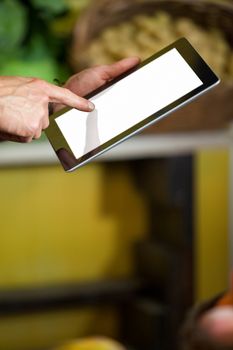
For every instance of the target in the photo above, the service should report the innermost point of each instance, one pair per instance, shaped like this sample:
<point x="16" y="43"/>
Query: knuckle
<point x="34" y="126"/>
<point x="46" y="123"/>
<point x="71" y="94"/>
<point x="36" y="81"/>
<point x="37" y="135"/>
<point x="67" y="92"/>
<point x="25" y="133"/>
<point x="102" y="66"/>
<point x="27" y="139"/>
<point x="44" y="99"/>
<point x="40" y="84"/>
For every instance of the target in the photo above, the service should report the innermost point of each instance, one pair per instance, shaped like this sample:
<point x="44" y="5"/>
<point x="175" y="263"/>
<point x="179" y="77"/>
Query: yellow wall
<point x="211" y="218"/>
<point x="58" y="227"/>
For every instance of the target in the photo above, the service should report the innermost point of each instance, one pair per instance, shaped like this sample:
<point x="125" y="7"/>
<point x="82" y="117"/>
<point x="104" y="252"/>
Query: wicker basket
<point x="211" y="111"/>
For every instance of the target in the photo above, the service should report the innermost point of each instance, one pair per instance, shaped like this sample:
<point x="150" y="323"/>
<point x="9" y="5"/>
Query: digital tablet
<point x="142" y="96"/>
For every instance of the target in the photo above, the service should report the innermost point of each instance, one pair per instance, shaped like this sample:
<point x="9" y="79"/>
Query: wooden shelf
<point x="138" y="147"/>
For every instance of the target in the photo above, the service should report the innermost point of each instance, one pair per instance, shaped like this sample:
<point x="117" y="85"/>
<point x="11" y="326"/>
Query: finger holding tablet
<point x="93" y="78"/>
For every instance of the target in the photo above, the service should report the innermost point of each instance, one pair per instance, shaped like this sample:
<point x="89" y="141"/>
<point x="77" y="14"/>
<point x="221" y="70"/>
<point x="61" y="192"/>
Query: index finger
<point x="64" y="96"/>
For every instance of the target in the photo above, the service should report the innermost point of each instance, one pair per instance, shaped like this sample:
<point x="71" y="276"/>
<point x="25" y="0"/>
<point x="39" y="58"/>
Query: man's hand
<point x="24" y="101"/>
<point x="91" y="79"/>
<point x="24" y="106"/>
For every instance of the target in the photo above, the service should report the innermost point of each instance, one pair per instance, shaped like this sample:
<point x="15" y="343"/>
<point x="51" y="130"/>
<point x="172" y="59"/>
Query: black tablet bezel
<point x="194" y="60"/>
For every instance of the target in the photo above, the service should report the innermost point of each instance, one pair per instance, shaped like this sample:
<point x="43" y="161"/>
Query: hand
<point x="24" y="101"/>
<point x="218" y="321"/>
<point x="91" y="79"/>
<point x="24" y="106"/>
<point x="217" y="324"/>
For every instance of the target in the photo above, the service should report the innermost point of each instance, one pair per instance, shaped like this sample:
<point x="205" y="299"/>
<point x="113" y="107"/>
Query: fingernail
<point x="91" y="105"/>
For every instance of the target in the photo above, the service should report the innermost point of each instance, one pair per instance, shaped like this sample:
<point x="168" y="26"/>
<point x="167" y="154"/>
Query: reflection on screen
<point x="128" y="102"/>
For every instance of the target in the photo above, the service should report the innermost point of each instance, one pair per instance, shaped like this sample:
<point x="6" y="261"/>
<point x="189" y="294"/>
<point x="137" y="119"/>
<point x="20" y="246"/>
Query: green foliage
<point x="35" y="60"/>
<point x="44" y="68"/>
<point x="36" y="48"/>
<point x="34" y="36"/>
<point x="50" y="7"/>
<point x="13" y="26"/>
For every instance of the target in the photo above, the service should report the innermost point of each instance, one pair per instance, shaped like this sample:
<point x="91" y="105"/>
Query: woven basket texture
<point x="211" y="111"/>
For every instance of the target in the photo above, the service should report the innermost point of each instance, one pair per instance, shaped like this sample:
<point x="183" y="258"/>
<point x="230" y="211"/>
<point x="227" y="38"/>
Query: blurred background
<point x="123" y="247"/>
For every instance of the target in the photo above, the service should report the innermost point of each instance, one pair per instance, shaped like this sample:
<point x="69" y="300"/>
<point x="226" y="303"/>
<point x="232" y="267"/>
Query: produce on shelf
<point x="143" y="35"/>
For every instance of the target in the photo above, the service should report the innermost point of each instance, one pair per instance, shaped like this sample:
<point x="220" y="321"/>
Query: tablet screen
<point x="128" y="102"/>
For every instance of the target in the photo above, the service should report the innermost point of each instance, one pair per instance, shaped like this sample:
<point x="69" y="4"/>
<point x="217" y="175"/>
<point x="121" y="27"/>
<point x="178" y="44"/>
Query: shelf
<point x="138" y="147"/>
<point x="38" y="299"/>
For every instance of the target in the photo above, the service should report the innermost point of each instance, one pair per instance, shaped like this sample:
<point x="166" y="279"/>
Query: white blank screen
<point x="128" y="102"/>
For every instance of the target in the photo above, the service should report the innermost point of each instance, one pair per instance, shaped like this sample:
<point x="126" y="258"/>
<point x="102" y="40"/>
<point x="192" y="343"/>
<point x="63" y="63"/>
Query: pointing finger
<point x="64" y="96"/>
